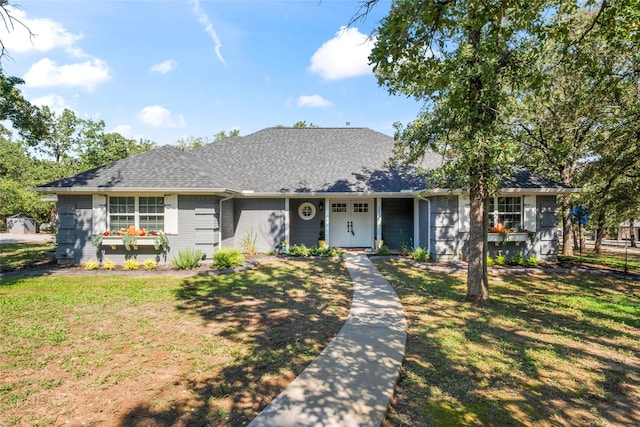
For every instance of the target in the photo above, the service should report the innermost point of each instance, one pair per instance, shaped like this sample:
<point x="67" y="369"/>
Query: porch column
<point x="286" y="222"/>
<point x="327" y="209"/>
<point x="416" y="223"/>
<point x="379" y="220"/>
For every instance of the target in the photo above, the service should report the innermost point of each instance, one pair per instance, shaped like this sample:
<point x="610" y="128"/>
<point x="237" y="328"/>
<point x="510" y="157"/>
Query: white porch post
<point x="286" y="221"/>
<point x="416" y="223"/>
<point x="379" y="220"/>
<point x="327" y="209"/>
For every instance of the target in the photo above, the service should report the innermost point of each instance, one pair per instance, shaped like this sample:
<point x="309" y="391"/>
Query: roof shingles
<point x="273" y="161"/>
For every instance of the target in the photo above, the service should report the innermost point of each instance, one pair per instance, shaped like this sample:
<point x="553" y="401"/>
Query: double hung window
<point x="505" y="210"/>
<point x="139" y="211"/>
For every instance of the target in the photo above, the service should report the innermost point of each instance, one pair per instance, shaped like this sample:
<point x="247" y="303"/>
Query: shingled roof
<point x="164" y="168"/>
<point x="290" y="160"/>
<point x="276" y="161"/>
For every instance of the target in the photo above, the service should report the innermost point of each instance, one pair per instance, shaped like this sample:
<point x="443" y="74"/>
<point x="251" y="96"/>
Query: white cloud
<point x="47" y="73"/>
<point x="158" y="116"/>
<point x="55" y="102"/>
<point x="312" y="101"/>
<point x="164" y="67"/>
<point x="345" y="55"/>
<point x="203" y="18"/>
<point x="47" y="35"/>
<point x="124" y="130"/>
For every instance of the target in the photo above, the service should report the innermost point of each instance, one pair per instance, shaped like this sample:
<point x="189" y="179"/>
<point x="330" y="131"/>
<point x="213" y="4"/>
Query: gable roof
<point x="294" y="160"/>
<point x="276" y="161"/>
<point x="165" y="168"/>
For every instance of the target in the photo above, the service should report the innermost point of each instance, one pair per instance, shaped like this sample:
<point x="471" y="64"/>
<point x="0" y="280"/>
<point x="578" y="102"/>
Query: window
<point x="141" y="212"/>
<point x="360" y="207"/>
<point x="338" y="207"/>
<point x="505" y="210"/>
<point x="307" y="211"/>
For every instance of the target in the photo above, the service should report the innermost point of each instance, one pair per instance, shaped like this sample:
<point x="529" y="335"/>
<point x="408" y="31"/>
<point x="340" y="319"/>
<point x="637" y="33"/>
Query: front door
<point x="351" y="223"/>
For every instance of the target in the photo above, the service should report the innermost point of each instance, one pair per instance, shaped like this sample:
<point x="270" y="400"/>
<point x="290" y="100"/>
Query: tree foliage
<point x="464" y="59"/>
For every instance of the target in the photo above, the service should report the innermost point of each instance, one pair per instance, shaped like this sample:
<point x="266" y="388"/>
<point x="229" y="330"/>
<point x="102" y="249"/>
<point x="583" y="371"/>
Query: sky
<point x="164" y="70"/>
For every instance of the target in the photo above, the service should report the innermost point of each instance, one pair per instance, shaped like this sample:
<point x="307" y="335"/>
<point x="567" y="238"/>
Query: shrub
<point x="501" y="259"/>
<point x="299" y="250"/>
<point x="249" y="243"/>
<point x="324" y="252"/>
<point x="91" y="265"/>
<point x="517" y="259"/>
<point x="109" y="264"/>
<point x="227" y="258"/>
<point x="149" y="264"/>
<point x="532" y="262"/>
<point x="131" y="264"/>
<point x="421" y="254"/>
<point x="383" y="250"/>
<point x="187" y="259"/>
<point x="489" y="261"/>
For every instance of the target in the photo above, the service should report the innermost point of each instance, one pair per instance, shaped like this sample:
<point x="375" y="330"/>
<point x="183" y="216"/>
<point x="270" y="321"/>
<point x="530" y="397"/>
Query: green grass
<point x="17" y="254"/>
<point x="162" y="350"/>
<point x="608" y="259"/>
<point x="546" y="350"/>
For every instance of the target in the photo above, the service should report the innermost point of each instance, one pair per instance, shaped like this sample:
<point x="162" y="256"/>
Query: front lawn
<point x="99" y="349"/>
<point x="547" y="350"/>
<point x="17" y="254"/>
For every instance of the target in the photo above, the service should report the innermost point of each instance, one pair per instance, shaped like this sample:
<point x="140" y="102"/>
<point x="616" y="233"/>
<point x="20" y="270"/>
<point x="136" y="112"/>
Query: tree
<point x="190" y="143"/>
<point x="97" y="148"/>
<point x="25" y="118"/>
<point x="558" y="118"/>
<point x="463" y="59"/>
<point x="223" y="135"/>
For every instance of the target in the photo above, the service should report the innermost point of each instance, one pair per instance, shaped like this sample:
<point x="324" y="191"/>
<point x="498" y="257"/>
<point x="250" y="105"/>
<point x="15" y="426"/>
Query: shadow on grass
<point x="551" y="349"/>
<point x="284" y="313"/>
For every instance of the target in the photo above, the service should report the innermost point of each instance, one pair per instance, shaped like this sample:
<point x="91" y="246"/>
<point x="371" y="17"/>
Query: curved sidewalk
<point x="352" y="381"/>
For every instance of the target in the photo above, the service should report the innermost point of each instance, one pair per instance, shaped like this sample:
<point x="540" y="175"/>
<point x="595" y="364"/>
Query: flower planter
<point x="497" y="238"/>
<point x="115" y="241"/>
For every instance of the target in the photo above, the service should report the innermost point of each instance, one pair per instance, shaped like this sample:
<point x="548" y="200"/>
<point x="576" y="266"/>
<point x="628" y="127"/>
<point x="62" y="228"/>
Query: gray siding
<point x="424" y="225"/>
<point x="303" y="231"/>
<point x="397" y="223"/>
<point x="547" y="227"/>
<point x="228" y="223"/>
<point x="445" y="243"/>
<point x="75" y="230"/>
<point x="198" y="224"/>
<point x="264" y="217"/>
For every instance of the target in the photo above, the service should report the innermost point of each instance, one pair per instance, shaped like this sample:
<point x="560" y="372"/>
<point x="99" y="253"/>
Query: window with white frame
<point x="505" y="210"/>
<point x="139" y="211"/>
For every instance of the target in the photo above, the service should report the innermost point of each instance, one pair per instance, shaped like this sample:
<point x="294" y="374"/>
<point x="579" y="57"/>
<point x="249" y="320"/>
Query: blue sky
<point x="165" y="70"/>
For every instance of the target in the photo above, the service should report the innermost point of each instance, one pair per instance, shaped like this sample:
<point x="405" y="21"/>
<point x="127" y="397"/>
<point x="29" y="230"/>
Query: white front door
<point x="351" y="223"/>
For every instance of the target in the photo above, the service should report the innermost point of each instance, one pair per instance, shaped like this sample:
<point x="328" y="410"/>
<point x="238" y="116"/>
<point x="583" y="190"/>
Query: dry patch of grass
<point x="119" y="350"/>
<point x="546" y="350"/>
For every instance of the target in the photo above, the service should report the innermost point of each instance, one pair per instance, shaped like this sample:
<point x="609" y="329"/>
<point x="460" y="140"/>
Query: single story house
<point x="290" y="185"/>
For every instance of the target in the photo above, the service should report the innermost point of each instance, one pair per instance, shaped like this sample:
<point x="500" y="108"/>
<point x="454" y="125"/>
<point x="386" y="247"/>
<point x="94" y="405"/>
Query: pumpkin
<point x="500" y="227"/>
<point x="132" y="230"/>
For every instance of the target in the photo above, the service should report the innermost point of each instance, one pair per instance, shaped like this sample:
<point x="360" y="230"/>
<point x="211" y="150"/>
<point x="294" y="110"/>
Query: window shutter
<point x="99" y="205"/>
<point x="171" y="214"/>
<point x="529" y="218"/>
<point x="464" y="213"/>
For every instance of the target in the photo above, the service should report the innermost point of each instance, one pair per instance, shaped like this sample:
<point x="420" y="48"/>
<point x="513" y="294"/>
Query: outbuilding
<point x="21" y="224"/>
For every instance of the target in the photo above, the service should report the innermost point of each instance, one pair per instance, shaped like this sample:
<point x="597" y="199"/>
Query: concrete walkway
<point x="352" y="381"/>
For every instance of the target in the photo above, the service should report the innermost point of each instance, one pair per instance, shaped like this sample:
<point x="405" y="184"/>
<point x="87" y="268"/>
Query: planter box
<point x="512" y="237"/>
<point x="114" y="241"/>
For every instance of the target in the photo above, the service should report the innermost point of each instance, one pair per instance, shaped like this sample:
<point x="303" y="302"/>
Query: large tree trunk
<point x="567" y="247"/>
<point x="601" y="233"/>
<point x="632" y="233"/>
<point x="477" y="283"/>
